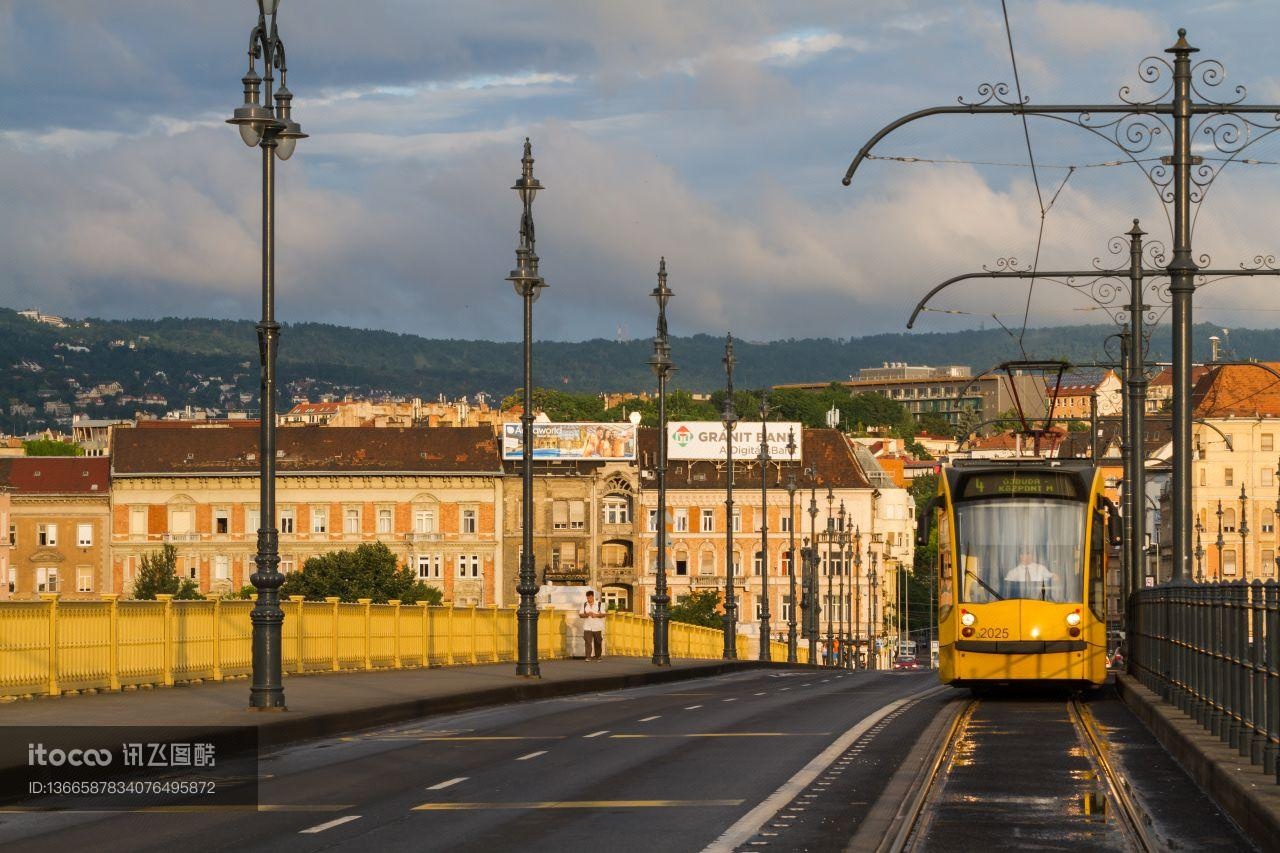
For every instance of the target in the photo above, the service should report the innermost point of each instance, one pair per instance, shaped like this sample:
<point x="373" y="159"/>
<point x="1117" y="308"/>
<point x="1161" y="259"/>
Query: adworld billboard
<point x="707" y="440"/>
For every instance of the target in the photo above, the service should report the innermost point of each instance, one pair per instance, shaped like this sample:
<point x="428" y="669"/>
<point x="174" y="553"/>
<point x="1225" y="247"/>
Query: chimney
<point x="1213" y="347"/>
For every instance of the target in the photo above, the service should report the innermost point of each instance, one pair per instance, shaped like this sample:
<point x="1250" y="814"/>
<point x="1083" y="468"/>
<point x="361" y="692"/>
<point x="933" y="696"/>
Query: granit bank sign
<point x="706" y="440"/>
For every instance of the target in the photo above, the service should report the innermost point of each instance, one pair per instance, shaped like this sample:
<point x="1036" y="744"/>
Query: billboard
<point x="572" y="442"/>
<point x="706" y="440"/>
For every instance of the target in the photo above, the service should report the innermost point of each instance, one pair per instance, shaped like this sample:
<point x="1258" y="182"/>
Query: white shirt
<point x="592" y="617"/>
<point x="1029" y="572"/>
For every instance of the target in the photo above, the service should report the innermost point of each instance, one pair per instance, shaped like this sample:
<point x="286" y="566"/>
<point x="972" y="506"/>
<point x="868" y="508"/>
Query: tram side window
<point x="1098" y="565"/>
<point x="1020" y="549"/>
<point x="945" y="564"/>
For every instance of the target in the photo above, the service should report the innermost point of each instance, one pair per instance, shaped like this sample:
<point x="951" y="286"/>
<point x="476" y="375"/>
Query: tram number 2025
<point x="993" y="633"/>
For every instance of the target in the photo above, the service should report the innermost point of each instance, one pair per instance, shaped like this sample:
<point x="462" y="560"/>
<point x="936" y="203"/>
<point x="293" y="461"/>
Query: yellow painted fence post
<point x="217" y="639"/>
<point x="395" y="619"/>
<point x="367" y="602"/>
<point x="52" y="598"/>
<point x="297" y="600"/>
<point x="167" y="599"/>
<point x="333" y="602"/>
<point x="113" y="640"/>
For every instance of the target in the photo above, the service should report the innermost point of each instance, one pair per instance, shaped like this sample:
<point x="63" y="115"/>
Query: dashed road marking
<point x="650" y="719"/>
<point x="532" y="755"/>
<point x="693" y="707"/>
<point x="597" y="734"/>
<point x="440" y="786"/>
<point x="312" y="830"/>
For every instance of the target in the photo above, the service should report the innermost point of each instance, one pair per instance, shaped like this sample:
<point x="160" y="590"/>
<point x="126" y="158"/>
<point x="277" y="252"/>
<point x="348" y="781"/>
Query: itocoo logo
<point x="38" y="755"/>
<point x="683" y="436"/>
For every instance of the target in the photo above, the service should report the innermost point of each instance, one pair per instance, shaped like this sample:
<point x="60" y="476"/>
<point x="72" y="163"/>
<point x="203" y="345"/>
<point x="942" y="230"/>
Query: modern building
<point x="59" y="520"/>
<point x="949" y="392"/>
<point x="433" y="496"/>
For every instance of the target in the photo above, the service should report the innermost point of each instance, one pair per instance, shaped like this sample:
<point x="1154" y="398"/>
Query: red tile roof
<point x="1242" y="390"/>
<point x="56" y="475"/>
<point x="231" y="450"/>
<point x="826" y="450"/>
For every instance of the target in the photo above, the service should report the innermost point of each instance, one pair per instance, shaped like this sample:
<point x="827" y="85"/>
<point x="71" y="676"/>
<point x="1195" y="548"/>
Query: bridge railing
<point x="51" y="647"/>
<point x="1213" y="651"/>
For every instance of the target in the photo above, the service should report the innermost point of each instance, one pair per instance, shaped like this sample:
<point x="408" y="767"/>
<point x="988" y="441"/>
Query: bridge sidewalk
<point x="332" y="703"/>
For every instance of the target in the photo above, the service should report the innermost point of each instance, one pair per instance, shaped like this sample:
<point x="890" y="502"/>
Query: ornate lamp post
<point x="791" y="487"/>
<point x="874" y="593"/>
<point x="831" y="520"/>
<point x="1220" y="541"/>
<point x="528" y="285"/>
<point x="842" y="538"/>
<point x="1244" y="533"/>
<point x="764" y="528"/>
<point x="662" y="367"/>
<point x="857" y="594"/>
<point x="272" y="129"/>
<point x="811" y="570"/>
<point x="730" y="418"/>
<point x="1199" y="550"/>
<point x="848" y="600"/>
<point x="1277" y="511"/>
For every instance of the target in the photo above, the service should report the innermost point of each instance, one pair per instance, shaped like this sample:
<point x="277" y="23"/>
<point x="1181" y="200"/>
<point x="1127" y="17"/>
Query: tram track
<point x="1011" y="770"/>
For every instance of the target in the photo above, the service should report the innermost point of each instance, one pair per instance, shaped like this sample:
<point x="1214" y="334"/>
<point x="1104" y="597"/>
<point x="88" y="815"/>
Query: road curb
<point x="1241" y="789"/>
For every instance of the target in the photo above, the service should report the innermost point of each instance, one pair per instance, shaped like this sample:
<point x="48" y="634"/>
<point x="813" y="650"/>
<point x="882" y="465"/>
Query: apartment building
<point x="433" y="496"/>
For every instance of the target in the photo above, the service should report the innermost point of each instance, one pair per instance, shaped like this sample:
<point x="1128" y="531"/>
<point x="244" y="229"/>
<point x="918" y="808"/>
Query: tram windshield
<point x="1021" y="548"/>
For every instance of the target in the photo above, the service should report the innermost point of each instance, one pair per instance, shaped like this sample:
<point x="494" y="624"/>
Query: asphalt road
<point x="670" y="767"/>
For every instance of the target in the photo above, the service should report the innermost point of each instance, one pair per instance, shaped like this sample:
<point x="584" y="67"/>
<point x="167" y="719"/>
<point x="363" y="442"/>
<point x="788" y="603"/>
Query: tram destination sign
<point x="1004" y="484"/>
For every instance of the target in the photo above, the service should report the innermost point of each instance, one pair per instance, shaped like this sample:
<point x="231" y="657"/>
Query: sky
<point x="714" y="133"/>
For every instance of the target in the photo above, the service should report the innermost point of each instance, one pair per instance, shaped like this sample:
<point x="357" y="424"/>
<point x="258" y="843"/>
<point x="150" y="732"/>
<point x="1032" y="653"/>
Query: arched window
<point x="1229" y="520"/>
<point x="707" y="562"/>
<point x="758" y="563"/>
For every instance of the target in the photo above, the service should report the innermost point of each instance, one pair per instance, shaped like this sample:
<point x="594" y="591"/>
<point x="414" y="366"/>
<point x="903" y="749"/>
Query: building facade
<point x="433" y="496"/>
<point x="58" y="512"/>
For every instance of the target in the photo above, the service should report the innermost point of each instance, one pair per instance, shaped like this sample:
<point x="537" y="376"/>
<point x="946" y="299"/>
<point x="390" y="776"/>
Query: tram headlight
<point x="967" y="618"/>
<point x="1073" y="619"/>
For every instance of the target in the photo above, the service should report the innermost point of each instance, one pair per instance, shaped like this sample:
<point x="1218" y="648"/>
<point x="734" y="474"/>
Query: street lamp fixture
<point x="1219" y="543"/>
<point x="831" y="521"/>
<point x="660" y="363"/>
<point x="1199" y="550"/>
<point x="811" y="569"/>
<point x="528" y="285"/>
<point x="1244" y="533"/>
<point x="874" y="592"/>
<point x="730" y="418"/>
<point x="765" y="650"/>
<point x="841" y="547"/>
<point x="272" y="129"/>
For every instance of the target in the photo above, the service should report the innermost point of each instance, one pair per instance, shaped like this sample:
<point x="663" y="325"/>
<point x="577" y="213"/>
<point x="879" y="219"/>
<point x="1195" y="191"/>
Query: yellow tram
<point x="1022" y="551"/>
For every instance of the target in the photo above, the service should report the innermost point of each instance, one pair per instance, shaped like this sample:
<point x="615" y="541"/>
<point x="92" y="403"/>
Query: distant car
<point x="906" y="663"/>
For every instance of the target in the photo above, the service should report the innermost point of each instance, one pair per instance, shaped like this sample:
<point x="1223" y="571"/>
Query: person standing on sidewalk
<point x="592" y="626"/>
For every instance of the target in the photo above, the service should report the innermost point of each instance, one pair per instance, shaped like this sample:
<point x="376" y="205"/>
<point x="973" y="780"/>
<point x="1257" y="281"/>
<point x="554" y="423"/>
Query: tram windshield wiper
<point x="984" y="584"/>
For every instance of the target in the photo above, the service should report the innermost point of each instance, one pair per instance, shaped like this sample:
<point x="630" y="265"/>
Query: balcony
<point x="616" y="575"/>
<point x="423" y="537"/>
<point x="181" y="537"/>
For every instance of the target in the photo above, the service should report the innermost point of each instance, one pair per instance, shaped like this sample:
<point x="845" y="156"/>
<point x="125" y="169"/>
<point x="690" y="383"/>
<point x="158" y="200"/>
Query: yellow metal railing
<point x="51" y="646"/>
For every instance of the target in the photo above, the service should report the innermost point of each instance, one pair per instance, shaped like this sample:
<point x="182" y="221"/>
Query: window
<point x="469" y="521"/>
<point x="653" y="521"/>
<point x="192" y="565"/>
<point x="568" y="555"/>
<point x="1268" y="476"/>
<point x="1229" y="520"/>
<point x="384" y="521"/>
<point x="222" y="521"/>
<point x="180" y="521"/>
<point x="47" y="534"/>
<point x="252" y="520"/>
<point x="13" y="535"/>
<point x="708" y="524"/>
<point x="707" y="563"/>
<point x="1268" y="520"/>
<point x="222" y="568"/>
<point x="137" y="521"/>
<point x="737" y="563"/>
<point x="681" y="517"/>
<point x="13" y="580"/>
<point x="1229" y="561"/>
<point x="617" y="511"/>
<point x="559" y="515"/>
<point x="737" y="520"/>
<point x="319" y="519"/>
<point x="1228" y="477"/>
<point x="46" y="579"/>
<point x="84" y="579"/>
<point x="577" y="515"/>
<point x="1268" y="441"/>
<point x="785" y="526"/>
<point x="1204" y="477"/>
<point x="1268" y="562"/>
<point x="351" y="520"/>
<point x="286" y="520"/>
<point x="127" y="573"/>
<point x="784" y="562"/>
<point x="287" y="565"/>
<point x="84" y="535"/>
<point x="835" y="564"/>
<point x="468" y="566"/>
<point x="786" y="608"/>
<point x="757" y="565"/>
<point x="424" y="521"/>
<point x="682" y="565"/>
<point x="429" y="566"/>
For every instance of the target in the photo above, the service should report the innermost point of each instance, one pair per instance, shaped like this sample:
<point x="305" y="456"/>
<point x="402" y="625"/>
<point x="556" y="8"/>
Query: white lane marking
<point x="693" y="707"/>
<point x="731" y="700"/>
<point x="784" y="688"/>
<point x="753" y="821"/>
<point x="650" y="719"/>
<point x="440" y="786"/>
<point x="328" y="824"/>
<point x="810" y="684"/>
<point x="532" y="755"/>
<point x="597" y="734"/>
<point x="760" y="694"/>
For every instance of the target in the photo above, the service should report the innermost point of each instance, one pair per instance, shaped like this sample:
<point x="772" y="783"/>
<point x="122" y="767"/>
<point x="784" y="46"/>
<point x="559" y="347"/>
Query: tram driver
<point x="1030" y="571"/>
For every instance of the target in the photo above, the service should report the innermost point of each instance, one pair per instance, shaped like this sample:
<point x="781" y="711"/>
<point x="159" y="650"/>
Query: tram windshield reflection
<point x="1021" y="548"/>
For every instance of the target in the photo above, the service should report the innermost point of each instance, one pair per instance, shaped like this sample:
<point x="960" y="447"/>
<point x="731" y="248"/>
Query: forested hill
<point x="209" y="362"/>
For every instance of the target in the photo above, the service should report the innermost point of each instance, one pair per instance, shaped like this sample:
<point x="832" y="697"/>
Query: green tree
<point x="52" y="447"/>
<point x="370" y="571"/>
<point x="698" y="607"/>
<point x="158" y="575"/>
<point x="561" y="406"/>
